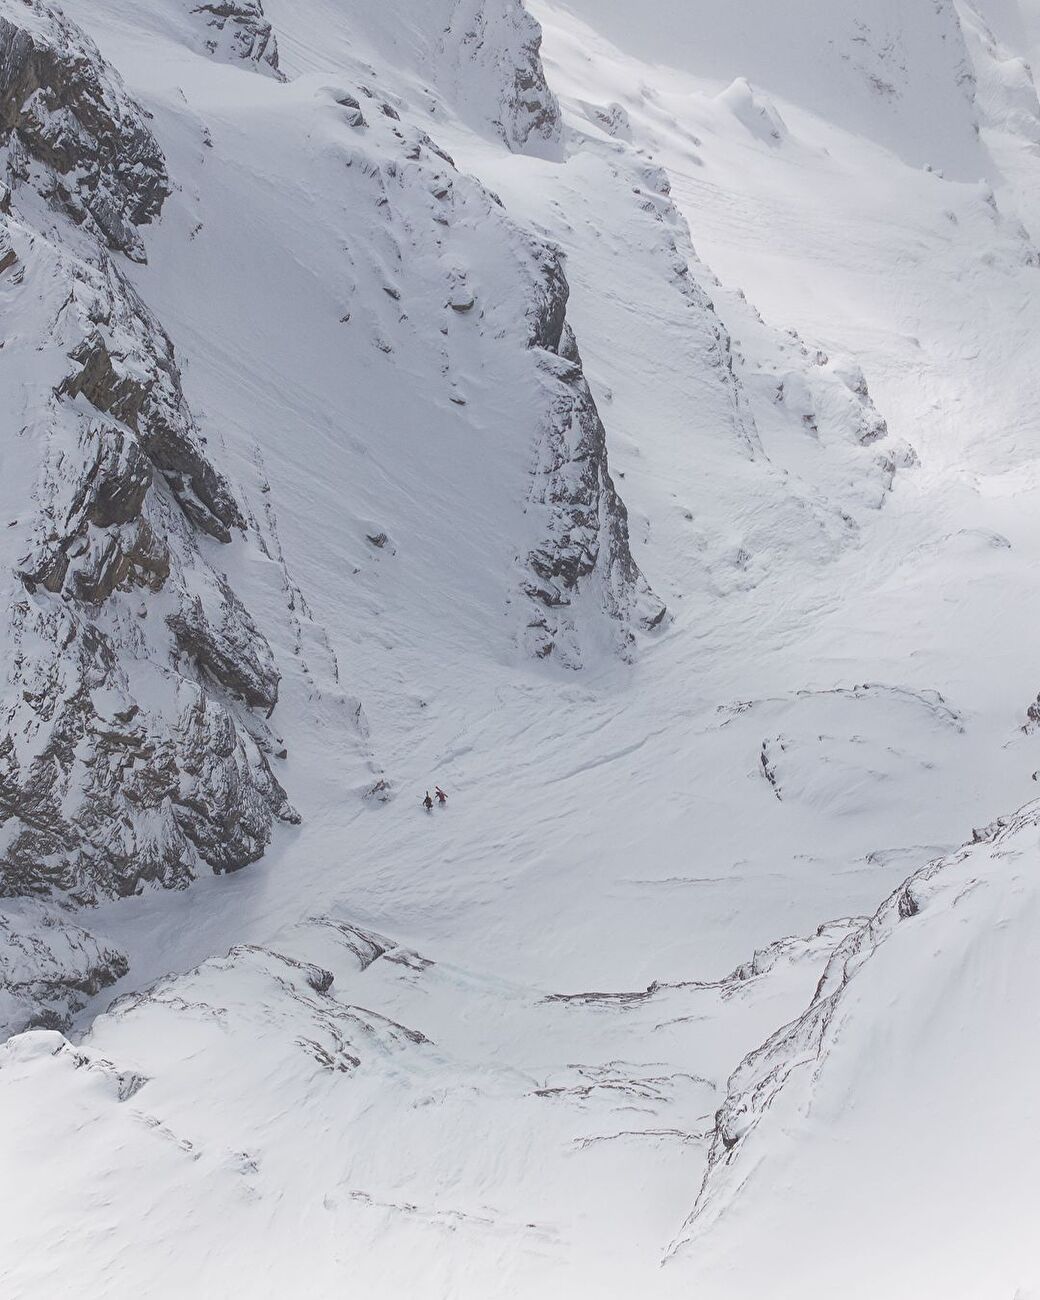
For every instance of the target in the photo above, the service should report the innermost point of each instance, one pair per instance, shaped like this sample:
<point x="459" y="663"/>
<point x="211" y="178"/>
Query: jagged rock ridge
<point x="585" y="520"/>
<point x="49" y="967"/>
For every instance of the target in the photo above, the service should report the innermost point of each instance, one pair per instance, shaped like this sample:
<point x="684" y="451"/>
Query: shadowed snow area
<point x="627" y="419"/>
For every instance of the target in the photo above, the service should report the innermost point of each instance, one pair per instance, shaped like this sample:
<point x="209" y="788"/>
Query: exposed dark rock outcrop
<point x="68" y="127"/>
<point x="49" y="967"/>
<point x="115" y="796"/>
<point x="125" y="758"/>
<point x="586" y="537"/>
<point x="129" y="752"/>
<point x="236" y="30"/>
<point x="128" y="371"/>
<point x="499" y="43"/>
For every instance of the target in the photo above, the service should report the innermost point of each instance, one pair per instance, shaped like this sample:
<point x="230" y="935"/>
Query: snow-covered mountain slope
<point x="629" y="424"/>
<point x="899" y="76"/>
<point x="898" y="1079"/>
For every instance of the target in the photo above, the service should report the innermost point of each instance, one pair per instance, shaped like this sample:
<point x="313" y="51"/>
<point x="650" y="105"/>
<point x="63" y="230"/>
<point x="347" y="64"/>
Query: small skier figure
<point x="428" y="802"/>
<point x="442" y="798"/>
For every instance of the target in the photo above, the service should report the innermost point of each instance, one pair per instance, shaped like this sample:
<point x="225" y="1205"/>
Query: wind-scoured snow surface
<point x="627" y="417"/>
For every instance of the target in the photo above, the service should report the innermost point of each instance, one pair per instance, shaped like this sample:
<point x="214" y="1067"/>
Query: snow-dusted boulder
<point x="755" y="111"/>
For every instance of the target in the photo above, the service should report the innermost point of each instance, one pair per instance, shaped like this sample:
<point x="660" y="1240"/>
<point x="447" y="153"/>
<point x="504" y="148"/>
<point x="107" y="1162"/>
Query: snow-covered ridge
<point x="265" y="1061"/>
<point x="941" y="916"/>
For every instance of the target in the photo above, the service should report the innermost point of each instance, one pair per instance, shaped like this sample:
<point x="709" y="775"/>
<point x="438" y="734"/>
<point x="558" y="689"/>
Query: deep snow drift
<point x="628" y="423"/>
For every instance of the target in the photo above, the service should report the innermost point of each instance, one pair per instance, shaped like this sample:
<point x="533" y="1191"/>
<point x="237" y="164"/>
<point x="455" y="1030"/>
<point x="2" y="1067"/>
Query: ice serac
<point x="69" y="130"/>
<point x="132" y="750"/>
<point x="585" y="542"/>
<point x="237" y="31"/>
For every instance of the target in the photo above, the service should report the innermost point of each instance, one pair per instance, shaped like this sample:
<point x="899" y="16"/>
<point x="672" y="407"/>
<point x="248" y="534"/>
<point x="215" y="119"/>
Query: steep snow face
<point x="897" y="75"/>
<point x="414" y="268"/>
<point x="878" y="1120"/>
<point x="480" y="58"/>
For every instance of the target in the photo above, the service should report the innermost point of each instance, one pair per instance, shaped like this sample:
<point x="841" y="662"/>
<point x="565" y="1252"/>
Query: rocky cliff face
<point x="585" y="540"/>
<point x="69" y="130"/>
<point x="499" y="43"/>
<point x="237" y="31"/>
<point x="132" y="749"/>
<point x="49" y="966"/>
<point x="477" y="59"/>
<point x="135" y="748"/>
